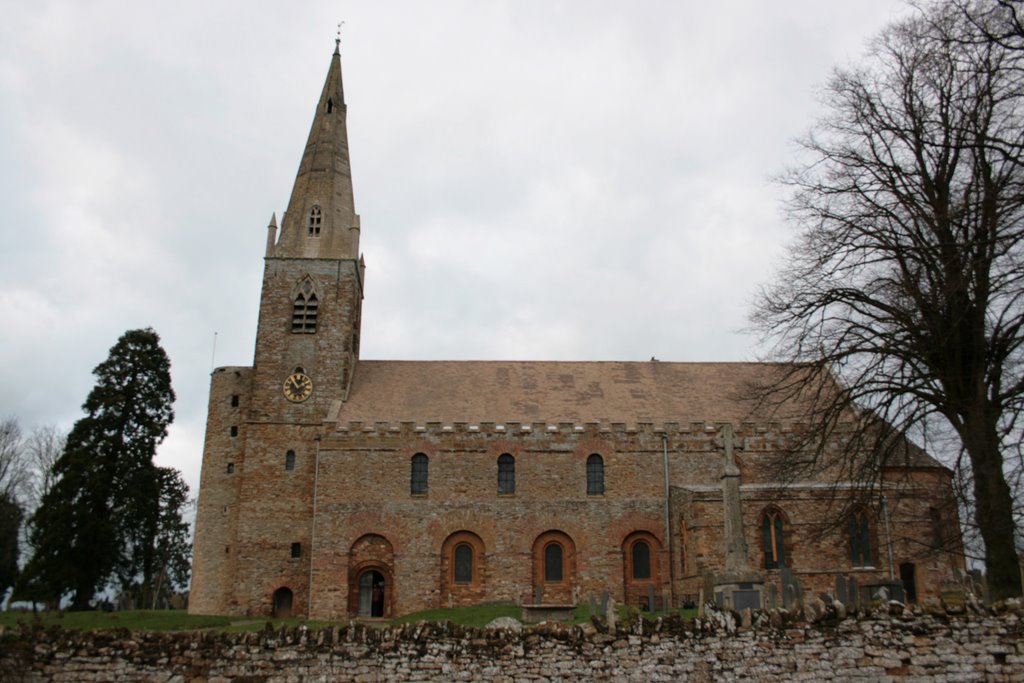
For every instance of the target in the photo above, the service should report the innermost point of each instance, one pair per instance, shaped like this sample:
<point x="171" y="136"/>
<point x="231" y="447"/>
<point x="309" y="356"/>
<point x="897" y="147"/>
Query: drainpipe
<point x="312" y="530"/>
<point x="888" y="536"/>
<point x="668" y="524"/>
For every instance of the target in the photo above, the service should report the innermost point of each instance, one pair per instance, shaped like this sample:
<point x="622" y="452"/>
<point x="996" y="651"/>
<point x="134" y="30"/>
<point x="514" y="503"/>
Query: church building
<point x="337" y="487"/>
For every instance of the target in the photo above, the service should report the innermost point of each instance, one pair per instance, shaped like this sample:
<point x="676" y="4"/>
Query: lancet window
<point x="315" y="219"/>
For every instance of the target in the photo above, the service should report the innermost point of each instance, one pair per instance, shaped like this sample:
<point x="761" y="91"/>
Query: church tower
<point x="313" y="278"/>
<point x="254" y="514"/>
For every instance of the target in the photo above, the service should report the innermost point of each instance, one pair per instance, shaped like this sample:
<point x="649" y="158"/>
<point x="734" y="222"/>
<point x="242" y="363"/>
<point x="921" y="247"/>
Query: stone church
<point x="337" y="487"/>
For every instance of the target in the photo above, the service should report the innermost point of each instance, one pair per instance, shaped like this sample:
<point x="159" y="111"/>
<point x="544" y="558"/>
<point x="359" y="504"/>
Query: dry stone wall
<point x="879" y="647"/>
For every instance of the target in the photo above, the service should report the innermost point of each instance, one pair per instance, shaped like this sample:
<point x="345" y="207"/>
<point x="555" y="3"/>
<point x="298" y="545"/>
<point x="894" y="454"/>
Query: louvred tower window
<point x="304" y="310"/>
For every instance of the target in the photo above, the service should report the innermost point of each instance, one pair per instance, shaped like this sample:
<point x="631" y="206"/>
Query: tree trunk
<point x="83" y="596"/>
<point x="993" y="508"/>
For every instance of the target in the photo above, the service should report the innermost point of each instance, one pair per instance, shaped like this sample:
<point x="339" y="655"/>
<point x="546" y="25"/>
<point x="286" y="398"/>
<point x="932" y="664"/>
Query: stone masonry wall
<point x="252" y="517"/>
<point x="880" y="647"/>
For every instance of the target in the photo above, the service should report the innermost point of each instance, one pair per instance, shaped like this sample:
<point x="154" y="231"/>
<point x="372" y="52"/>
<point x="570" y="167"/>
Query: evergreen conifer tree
<point x="10" y="524"/>
<point x="88" y="525"/>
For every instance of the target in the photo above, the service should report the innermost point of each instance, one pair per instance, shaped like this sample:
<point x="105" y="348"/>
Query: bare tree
<point x="42" y="449"/>
<point x="906" y="280"/>
<point x="1001" y="21"/>
<point x="14" y="473"/>
<point x="13" y="479"/>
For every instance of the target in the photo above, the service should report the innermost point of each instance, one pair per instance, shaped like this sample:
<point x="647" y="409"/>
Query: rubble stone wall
<point x="880" y="647"/>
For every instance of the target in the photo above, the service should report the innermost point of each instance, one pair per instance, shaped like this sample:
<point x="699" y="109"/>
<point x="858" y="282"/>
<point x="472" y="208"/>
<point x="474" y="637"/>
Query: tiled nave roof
<point x="556" y="391"/>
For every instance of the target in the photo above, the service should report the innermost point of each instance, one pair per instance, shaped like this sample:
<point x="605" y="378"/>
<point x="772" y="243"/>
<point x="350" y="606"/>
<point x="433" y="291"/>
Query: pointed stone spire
<point x="321" y="221"/>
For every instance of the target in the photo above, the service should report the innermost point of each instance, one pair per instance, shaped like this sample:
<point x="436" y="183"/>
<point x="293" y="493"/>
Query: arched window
<point x="463" y="557"/>
<point x="289" y="461"/>
<point x="463" y="567"/>
<point x="315" y="217"/>
<point x="554" y="568"/>
<point x="641" y="561"/>
<point x="640" y="551"/>
<point x="595" y="475"/>
<point x="938" y="529"/>
<point x="553" y="561"/>
<point x="304" y="311"/>
<point x="860" y="539"/>
<point x="418" y="483"/>
<point x="506" y="473"/>
<point x="772" y="534"/>
<point x="330" y="105"/>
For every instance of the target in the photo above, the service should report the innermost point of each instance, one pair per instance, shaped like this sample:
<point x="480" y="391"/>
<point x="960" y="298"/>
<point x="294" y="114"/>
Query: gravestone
<point x="790" y="596"/>
<point x="853" y="591"/>
<point x="651" y="605"/>
<point x="790" y="588"/>
<point x="604" y="603"/>
<point x="746" y="599"/>
<point x="773" y="597"/>
<point x="538" y="595"/>
<point x="841" y="589"/>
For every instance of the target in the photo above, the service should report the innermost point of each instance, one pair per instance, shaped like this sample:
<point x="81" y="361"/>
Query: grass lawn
<point x="479" y="615"/>
<point x="141" y="620"/>
<point x="179" y="620"/>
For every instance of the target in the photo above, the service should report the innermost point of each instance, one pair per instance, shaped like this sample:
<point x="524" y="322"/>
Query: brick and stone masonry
<point x="333" y="486"/>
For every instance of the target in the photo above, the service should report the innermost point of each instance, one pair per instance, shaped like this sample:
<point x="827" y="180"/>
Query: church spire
<point x="321" y="221"/>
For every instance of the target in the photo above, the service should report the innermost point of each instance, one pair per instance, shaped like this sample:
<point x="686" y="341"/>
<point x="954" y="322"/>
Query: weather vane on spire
<point x="337" y="39"/>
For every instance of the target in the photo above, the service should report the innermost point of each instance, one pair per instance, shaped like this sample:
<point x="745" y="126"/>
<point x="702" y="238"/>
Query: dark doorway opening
<point x="283" y="603"/>
<point x="371" y="594"/>
<point x="909" y="583"/>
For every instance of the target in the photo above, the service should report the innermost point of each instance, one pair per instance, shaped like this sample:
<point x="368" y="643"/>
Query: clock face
<point x="298" y="387"/>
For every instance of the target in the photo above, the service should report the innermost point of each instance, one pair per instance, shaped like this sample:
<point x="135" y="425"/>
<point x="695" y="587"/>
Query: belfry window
<point x="772" y="534"/>
<point x="289" y="461"/>
<point x="595" y="475"/>
<point x="506" y="474"/>
<point x="304" y="313"/>
<point x="315" y="218"/>
<point x="418" y="480"/>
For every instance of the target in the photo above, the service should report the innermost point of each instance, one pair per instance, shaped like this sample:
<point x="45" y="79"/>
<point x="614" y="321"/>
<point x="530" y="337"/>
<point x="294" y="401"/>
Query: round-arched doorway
<point x="371" y="594"/>
<point x="282" y="608"/>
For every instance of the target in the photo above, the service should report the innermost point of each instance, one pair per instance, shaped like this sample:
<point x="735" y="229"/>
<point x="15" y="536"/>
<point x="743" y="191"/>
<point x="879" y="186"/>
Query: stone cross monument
<point x="738" y="586"/>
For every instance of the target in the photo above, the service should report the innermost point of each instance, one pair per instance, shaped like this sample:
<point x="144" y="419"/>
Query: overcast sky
<point x="536" y="180"/>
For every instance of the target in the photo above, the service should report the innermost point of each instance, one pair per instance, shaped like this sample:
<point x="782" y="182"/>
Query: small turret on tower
<point x="321" y="221"/>
<point x="272" y="233"/>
